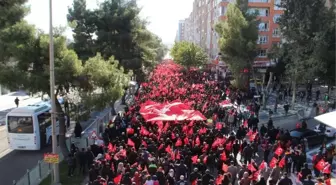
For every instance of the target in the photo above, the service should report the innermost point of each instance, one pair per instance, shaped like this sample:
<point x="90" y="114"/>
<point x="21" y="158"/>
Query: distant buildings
<point x="199" y="26"/>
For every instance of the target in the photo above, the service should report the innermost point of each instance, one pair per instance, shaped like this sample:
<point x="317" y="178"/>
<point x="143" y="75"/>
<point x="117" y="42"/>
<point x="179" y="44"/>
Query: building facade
<point x="180" y="34"/>
<point x="199" y="26"/>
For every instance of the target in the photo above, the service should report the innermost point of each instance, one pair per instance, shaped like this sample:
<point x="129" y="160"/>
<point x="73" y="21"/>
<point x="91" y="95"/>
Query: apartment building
<point x="180" y="34"/>
<point x="199" y="26"/>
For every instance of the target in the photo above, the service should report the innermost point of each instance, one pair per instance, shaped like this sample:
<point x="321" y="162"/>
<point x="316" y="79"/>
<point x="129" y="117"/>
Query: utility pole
<point x="52" y="95"/>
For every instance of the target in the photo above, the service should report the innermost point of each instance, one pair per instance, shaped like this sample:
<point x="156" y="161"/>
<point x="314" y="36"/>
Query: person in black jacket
<point x="207" y="178"/>
<point x="195" y="175"/>
<point x="78" y="129"/>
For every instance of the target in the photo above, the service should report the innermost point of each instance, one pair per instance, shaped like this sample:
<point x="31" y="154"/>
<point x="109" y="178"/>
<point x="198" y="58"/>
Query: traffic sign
<point x="93" y="135"/>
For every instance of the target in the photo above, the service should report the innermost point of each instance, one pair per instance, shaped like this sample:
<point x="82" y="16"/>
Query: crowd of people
<point x="228" y="150"/>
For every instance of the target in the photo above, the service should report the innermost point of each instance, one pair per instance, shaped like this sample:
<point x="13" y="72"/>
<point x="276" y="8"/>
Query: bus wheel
<point x="50" y="141"/>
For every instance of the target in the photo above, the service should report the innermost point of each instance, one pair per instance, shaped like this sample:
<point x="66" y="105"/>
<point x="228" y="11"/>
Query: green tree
<point x="238" y="40"/>
<point x="325" y="41"/>
<point x="11" y="17"/>
<point x="107" y="81"/>
<point x="188" y="54"/>
<point x="114" y="29"/>
<point x="303" y="28"/>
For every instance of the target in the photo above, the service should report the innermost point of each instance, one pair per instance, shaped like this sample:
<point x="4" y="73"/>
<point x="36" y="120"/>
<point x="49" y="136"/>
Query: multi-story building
<point x="180" y="31"/>
<point x="199" y="26"/>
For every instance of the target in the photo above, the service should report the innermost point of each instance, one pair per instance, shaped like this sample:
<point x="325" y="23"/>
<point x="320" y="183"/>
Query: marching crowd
<point x="227" y="149"/>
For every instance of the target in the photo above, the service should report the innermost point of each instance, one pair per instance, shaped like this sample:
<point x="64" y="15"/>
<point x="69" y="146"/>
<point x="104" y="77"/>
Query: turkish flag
<point x="194" y="159"/>
<point x="273" y="162"/>
<point x="251" y="168"/>
<point x="282" y="162"/>
<point x="130" y="142"/>
<point x="117" y="179"/>
<point x="320" y="165"/>
<point x="262" y="165"/>
<point x="279" y="151"/>
<point x="223" y="156"/>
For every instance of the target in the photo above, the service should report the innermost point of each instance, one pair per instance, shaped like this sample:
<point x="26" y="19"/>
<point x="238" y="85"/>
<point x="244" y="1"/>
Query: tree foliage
<point x="238" y="39"/>
<point x="301" y="25"/>
<point x="188" y="54"/>
<point x="107" y="81"/>
<point x="114" y="29"/>
<point x="24" y="62"/>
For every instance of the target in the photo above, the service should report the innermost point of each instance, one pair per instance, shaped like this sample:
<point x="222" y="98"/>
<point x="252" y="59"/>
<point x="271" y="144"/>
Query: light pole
<point x="52" y="95"/>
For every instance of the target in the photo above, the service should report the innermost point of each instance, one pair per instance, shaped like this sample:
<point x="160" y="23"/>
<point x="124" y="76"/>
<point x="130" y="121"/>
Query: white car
<point x="329" y="131"/>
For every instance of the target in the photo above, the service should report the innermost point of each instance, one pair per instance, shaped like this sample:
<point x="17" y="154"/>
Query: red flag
<point x="282" y="162"/>
<point x="327" y="168"/>
<point x="130" y="142"/>
<point x="194" y="159"/>
<point x="197" y="141"/>
<point x="273" y="162"/>
<point x="178" y="156"/>
<point x="178" y="142"/>
<point x="194" y="182"/>
<point x="256" y="175"/>
<point x="320" y="165"/>
<point x="144" y="143"/>
<point x="205" y="159"/>
<point x="225" y="167"/>
<point x="130" y="131"/>
<point x="219" y="126"/>
<point x="110" y="147"/>
<point x="251" y="167"/>
<point x="279" y="151"/>
<point x="262" y="165"/>
<point x="219" y="179"/>
<point x="117" y="179"/>
<point x="108" y="157"/>
<point x="223" y="156"/>
<point x="172" y="135"/>
<point x="186" y="141"/>
<point x="299" y="176"/>
<point x="144" y="131"/>
<point x="168" y="149"/>
<point x="161" y="146"/>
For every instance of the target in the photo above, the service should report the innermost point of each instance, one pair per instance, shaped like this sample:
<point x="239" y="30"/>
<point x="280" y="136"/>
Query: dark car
<point x="313" y="138"/>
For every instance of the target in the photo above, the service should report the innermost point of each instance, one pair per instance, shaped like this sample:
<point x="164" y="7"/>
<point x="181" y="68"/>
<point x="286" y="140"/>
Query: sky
<point x="162" y="15"/>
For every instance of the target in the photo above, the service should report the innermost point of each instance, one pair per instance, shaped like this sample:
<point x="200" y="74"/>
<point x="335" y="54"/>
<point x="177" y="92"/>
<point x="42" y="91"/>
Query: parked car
<point x="328" y="131"/>
<point x="313" y="138"/>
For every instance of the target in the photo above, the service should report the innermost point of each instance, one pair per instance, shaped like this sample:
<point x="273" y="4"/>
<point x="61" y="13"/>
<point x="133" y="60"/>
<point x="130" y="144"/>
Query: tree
<point x="303" y="27"/>
<point x="11" y="16"/>
<point x="188" y="54"/>
<point x="326" y="52"/>
<point x="238" y="40"/>
<point x="107" y="81"/>
<point x="114" y="29"/>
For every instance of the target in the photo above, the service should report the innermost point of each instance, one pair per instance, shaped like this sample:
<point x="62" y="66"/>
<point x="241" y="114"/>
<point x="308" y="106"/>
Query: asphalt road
<point x="15" y="164"/>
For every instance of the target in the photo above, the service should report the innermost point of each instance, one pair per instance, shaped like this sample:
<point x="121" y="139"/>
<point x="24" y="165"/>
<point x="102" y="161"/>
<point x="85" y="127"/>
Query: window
<point x="222" y="10"/>
<point x="20" y="124"/>
<point x="277" y="5"/>
<point x="262" y="39"/>
<point x="262" y="53"/>
<point x="263" y="12"/>
<point x="44" y="119"/>
<point x="276" y="32"/>
<point x="263" y="26"/>
<point x="276" y="18"/>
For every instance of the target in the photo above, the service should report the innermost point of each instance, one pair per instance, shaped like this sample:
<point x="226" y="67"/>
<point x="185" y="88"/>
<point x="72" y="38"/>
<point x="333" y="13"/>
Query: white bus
<point x="29" y="127"/>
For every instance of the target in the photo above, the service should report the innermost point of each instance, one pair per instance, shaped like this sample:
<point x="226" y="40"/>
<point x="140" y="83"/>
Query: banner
<point x="51" y="158"/>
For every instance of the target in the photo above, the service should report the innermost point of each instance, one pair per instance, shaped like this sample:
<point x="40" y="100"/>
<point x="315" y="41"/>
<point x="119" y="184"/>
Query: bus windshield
<point x="20" y="124"/>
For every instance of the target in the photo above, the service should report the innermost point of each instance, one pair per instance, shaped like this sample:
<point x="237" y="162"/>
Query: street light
<point x="56" y="179"/>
